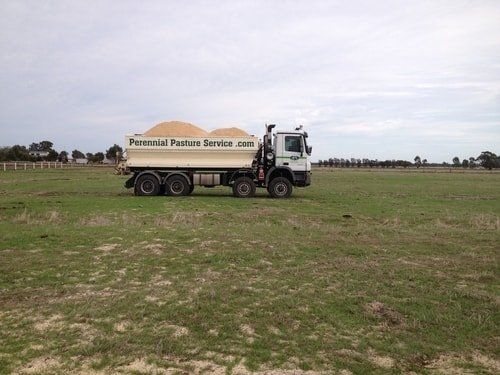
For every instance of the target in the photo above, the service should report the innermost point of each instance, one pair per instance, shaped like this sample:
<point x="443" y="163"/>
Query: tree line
<point x="44" y="151"/>
<point x="486" y="159"/>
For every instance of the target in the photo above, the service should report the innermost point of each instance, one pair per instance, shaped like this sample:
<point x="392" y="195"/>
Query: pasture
<point x="362" y="272"/>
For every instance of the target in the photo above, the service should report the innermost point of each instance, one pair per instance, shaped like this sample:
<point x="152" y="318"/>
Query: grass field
<point x="360" y="273"/>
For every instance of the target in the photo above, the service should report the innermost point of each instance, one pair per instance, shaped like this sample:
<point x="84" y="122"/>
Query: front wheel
<point x="244" y="187"/>
<point x="280" y="187"/>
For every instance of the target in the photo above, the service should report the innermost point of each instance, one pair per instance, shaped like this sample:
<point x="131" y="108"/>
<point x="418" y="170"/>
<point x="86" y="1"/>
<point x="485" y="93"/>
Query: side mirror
<point x="309" y="150"/>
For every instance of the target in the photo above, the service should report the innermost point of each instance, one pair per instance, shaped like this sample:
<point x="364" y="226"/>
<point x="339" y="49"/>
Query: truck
<point x="175" y="165"/>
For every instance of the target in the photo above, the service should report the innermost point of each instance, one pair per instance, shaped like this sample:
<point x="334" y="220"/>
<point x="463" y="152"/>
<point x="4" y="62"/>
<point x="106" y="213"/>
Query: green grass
<point x="363" y="272"/>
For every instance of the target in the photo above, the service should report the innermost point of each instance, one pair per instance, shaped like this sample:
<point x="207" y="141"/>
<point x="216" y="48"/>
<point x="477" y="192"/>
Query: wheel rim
<point x="177" y="187"/>
<point x="243" y="189"/>
<point x="280" y="189"/>
<point x="147" y="186"/>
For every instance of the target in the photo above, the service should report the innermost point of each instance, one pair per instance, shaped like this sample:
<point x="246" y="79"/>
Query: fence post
<point x="24" y="166"/>
<point x="4" y="167"/>
<point x="15" y="165"/>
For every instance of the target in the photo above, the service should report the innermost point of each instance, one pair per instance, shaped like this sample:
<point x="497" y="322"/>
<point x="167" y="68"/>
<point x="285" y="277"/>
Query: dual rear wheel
<point x="149" y="185"/>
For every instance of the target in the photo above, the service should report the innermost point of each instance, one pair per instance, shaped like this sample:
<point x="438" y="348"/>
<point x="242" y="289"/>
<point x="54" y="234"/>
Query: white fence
<point x="23" y="166"/>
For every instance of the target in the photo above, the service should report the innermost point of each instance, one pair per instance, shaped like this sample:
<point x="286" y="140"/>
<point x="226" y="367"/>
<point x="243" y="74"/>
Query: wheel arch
<point x="280" y="172"/>
<point x="152" y="173"/>
<point x="182" y="174"/>
<point x="242" y="173"/>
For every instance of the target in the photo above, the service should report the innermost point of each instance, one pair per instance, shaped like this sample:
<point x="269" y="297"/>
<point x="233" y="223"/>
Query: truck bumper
<point x="303" y="179"/>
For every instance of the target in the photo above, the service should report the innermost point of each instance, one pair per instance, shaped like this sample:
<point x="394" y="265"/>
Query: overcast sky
<point x="380" y="79"/>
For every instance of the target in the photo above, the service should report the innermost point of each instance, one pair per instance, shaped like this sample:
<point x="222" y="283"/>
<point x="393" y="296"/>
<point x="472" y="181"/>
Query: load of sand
<point x="185" y="129"/>
<point x="228" y="132"/>
<point x="175" y="129"/>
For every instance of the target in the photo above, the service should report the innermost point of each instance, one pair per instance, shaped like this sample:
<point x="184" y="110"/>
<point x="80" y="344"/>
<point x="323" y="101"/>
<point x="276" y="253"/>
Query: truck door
<point x="292" y="152"/>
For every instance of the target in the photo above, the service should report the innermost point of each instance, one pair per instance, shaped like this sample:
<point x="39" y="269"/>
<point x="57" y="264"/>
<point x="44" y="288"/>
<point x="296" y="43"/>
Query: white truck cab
<point x="292" y="151"/>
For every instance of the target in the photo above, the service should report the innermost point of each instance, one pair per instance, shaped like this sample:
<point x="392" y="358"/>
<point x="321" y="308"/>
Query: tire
<point x="244" y="187"/>
<point x="147" y="185"/>
<point x="177" y="186"/>
<point x="280" y="187"/>
<point x="191" y="188"/>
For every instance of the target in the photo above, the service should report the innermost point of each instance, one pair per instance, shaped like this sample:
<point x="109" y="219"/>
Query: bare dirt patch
<point x="452" y="363"/>
<point x="390" y="316"/>
<point x="107" y="247"/>
<point x="122" y="326"/>
<point x="141" y="366"/>
<point x="485" y="222"/>
<point x="40" y="365"/>
<point x="155" y="248"/>
<point x="53" y="322"/>
<point x="96" y="221"/>
<point x="178" y="331"/>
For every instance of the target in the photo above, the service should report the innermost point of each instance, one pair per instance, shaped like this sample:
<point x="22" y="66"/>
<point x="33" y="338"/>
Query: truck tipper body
<point x="175" y="165"/>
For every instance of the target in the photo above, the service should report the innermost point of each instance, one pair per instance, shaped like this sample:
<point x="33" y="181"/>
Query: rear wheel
<point x="244" y="187"/>
<point x="147" y="185"/>
<point x="280" y="187"/>
<point x="191" y="188"/>
<point x="177" y="186"/>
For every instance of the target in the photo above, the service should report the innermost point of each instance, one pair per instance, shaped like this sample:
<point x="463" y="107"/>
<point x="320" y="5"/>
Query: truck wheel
<point x="244" y="187"/>
<point x="280" y="187"/>
<point x="177" y="186"/>
<point x="147" y="185"/>
<point x="191" y="188"/>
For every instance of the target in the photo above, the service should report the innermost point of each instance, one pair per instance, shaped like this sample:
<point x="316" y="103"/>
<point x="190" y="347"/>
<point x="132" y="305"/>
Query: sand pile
<point x="185" y="129"/>
<point x="228" y="132"/>
<point x="175" y="129"/>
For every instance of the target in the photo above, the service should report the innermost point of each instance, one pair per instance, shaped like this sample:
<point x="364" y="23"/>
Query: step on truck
<point x="175" y="165"/>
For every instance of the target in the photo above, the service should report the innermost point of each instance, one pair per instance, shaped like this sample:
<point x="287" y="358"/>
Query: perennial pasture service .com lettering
<point x="172" y="142"/>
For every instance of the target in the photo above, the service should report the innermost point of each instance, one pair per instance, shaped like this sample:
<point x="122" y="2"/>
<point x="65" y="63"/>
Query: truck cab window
<point x="292" y="143"/>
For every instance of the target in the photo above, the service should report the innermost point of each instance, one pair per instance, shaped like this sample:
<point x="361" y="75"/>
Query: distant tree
<point x="424" y="162"/>
<point x="472" y="162"/>
<point x="18" y="153"/>
<point x="46" y="146"/>
<point x="111" y="152"/>
<point x="418" y="161"/>
<point x="35" y="147"/>
<point x="3" y="153"/>
<point x="63" y="157"/>
<point x="76" y="154"/>
<point x="456" y="161"/>
<point x="52" y="155"/>
<point x="98" y="157"/>
<point x="89" y="156"/>
<point x="488" y="160"/>
<point x="465" y="163"/>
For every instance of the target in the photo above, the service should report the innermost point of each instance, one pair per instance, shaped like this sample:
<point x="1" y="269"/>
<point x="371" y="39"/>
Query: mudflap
<point x="130" y="182"/>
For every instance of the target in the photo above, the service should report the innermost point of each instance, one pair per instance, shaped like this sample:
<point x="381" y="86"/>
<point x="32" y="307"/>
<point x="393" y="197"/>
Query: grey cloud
<point x="386" y="78"/>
